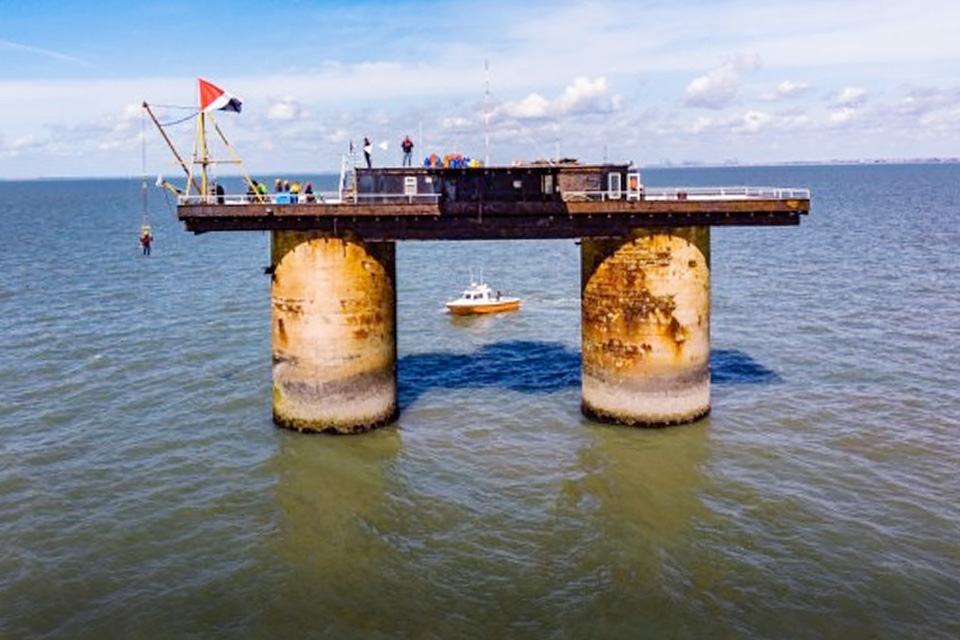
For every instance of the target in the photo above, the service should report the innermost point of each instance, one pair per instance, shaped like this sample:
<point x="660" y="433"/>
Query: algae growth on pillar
<point x="646" y="327"/>
<point x="334" y="332"/>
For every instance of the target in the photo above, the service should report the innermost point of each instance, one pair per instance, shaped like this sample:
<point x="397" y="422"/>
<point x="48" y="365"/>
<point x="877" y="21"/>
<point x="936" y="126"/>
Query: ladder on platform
<point x="347" y="190"/>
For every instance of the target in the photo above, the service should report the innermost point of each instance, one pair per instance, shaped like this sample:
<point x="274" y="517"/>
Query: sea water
<point x="145" y="492"/>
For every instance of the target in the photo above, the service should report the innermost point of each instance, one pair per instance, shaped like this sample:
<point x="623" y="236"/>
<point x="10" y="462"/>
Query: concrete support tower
<point x="646" y="327"/>
<point x="334" y="332"/>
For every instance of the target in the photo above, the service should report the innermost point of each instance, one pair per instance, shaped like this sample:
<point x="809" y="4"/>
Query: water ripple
<point x="144" y="491"/>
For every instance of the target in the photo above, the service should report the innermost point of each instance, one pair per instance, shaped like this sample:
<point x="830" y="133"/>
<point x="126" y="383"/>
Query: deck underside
<point x="491" y="220"/>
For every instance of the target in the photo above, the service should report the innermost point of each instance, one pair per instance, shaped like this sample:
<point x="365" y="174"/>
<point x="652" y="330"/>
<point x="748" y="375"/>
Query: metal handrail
<point x="397" y="197"/>
<point x="726" y="193"/>
<point x="647" y="193"/>
<point x="693" y="193"/>
<point x="328" y="197"/>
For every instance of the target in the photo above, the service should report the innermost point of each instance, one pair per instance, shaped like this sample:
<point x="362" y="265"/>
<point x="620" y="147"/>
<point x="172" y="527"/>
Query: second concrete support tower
<point x="646" y="327"/>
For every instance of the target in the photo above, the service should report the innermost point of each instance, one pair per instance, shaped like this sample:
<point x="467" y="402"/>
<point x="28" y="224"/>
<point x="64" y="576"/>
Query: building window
<point x="547" y="183"/>
<point x="613" y="186"/>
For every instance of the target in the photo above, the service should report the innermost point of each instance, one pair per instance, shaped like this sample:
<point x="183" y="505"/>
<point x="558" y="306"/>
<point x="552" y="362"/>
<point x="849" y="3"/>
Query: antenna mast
<point x="486" y="113"/>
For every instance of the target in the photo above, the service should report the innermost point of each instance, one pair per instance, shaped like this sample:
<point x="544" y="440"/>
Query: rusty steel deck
<point x="492" y="220"/>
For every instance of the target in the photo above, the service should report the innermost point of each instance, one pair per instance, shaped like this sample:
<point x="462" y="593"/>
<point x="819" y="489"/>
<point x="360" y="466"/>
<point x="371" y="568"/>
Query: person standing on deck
<point x="407" y="146"/>
<point x="367" y="148"/>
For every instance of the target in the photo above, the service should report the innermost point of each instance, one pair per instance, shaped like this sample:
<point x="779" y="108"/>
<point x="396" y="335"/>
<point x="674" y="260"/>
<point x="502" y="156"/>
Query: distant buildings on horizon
<point x="665" y="164"/>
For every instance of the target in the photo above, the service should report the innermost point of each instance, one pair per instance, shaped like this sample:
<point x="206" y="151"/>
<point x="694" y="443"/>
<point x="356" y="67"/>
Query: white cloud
<point x="794" y="121"/>
<point x="21" y="145"/>
<point x="786" y="90"/>
<point x="923" y="100"/>
<point x="533" y="106"/>
<point x="338" y="136"/>
<point x="945" y="119"/>
<point x="587" y="96"/>
<point x="720" y="87"/>
<point x="287" y="109"/>
<point x="457" y="123"/>
<point x="702" y="124"/>
<point x="582" y="96"/>
<point x="851" y="97"/>
<point x="842" y="116"/>
<point x="748" y="123"/>
<point x="753" y="122"/>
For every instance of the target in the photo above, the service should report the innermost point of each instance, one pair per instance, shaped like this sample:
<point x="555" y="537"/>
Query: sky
<point x="643" y="81"/>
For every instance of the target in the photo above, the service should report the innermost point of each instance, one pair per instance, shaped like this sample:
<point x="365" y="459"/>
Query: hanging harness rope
<point x="143" y="170"/>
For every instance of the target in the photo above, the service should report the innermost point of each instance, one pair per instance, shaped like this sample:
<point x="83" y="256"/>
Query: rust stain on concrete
<point x="334" y="332"/>
<point x="645" y="320"/>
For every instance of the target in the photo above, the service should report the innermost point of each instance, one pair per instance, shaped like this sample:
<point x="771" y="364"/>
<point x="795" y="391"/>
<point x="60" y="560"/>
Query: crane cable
<point x="143" y="166"/>
<point x="145" y="226"/>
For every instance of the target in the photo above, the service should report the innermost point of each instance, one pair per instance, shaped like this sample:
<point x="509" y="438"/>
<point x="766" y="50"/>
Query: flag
<point x="213" y="98"/>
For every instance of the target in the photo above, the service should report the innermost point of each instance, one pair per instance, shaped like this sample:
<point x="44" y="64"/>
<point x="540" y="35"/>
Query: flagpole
<point x="204" y="158"/>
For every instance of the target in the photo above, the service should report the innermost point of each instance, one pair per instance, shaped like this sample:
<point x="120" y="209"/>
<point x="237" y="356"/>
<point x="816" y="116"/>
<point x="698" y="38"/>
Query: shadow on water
<point x="518" y="365"/>
<point x="729" y="366"/>
<point x="537" y="368"/>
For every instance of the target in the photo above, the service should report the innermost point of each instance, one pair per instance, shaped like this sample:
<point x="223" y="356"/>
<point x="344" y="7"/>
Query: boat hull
<point x="477" y="309"/>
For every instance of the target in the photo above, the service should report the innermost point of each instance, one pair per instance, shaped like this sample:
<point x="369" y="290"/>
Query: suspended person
<point x="407" y="146"/>
<point x="367" y="149"/>
<point x="146" y="238"/>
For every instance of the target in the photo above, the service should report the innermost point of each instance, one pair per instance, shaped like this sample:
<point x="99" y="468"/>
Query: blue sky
<point x="649" y="81"/>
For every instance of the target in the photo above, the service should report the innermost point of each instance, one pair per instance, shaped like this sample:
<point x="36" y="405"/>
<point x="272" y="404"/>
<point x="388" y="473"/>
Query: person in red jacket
<point x="146" y="238"/>
<point x="407" y="146"/>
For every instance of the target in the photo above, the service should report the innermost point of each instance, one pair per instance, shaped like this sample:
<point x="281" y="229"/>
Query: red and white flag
<point x="213" y="98"/>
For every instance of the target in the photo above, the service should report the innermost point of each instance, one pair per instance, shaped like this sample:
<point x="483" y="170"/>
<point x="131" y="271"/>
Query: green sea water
<point x="145" y="492"/>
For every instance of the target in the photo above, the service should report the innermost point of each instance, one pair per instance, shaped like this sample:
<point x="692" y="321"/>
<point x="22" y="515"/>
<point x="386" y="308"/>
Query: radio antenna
<point x="486" y="113"/>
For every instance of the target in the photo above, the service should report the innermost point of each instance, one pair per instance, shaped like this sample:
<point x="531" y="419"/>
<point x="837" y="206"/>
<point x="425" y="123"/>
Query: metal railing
<point x="691" y="193"/>
<point x="328" y="197"/>
<point x="375" y="198"/>
<point x="725" y="193"/>
<point x="648" y="193"/>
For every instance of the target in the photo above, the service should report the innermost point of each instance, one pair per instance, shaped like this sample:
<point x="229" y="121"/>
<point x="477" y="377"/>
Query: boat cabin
<point x="478" y="298"/>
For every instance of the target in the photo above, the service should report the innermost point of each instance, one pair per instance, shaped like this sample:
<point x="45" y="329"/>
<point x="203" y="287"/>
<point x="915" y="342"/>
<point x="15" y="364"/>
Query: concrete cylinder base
<point x="334" y="333"/>
<point x="646" y="327"/>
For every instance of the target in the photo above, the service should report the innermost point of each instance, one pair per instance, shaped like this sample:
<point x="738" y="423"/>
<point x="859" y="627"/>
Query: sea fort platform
<point x="645" y="277"/>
